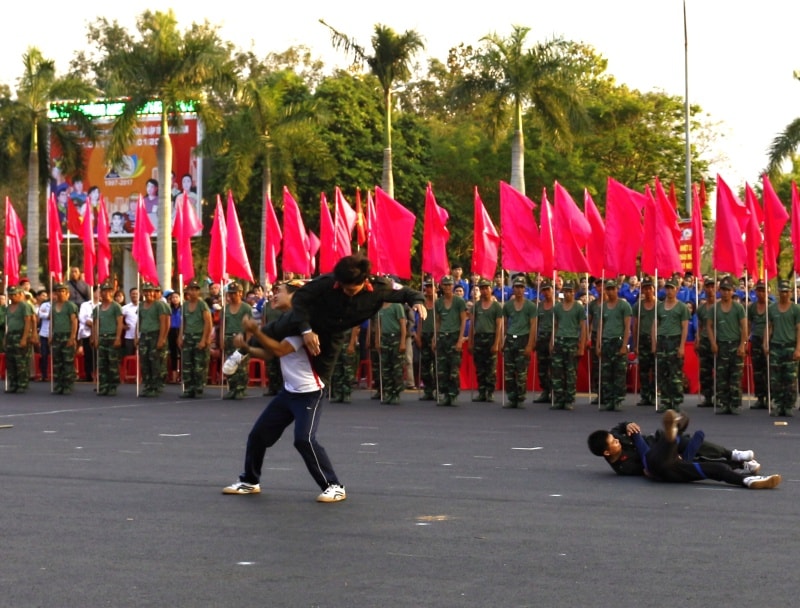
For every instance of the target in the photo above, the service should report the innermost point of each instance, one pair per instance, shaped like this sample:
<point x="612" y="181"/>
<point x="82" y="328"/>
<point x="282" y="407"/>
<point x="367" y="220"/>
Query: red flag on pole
<point x="217" y="253"/>
<point x="752" y="235"/>
<point x="673" y="196"/>
<point x="74" y="220"/>
<point x="596" y="245"/>
<point x="142" y="250"/>
<point x="668" y="258"/>
<point x="624" y="232"/>
<point x="520" y="246"/>
<point x="487" y="241"/>
<point x="54" y="239"/>
<point x="395" y="228"/>
<point x="103" y="243"/>
<point x="327" y="252"/>
<point x="361" y="221"/>
<point x="238" y="263"/>
<point x="295" y="238"/>
<point x="89" y="255"/>
<point x="730" y="252"/>
<point x="313" y="248"/>
<point x="273" y="245"/>
<point x="796" y="227"/>
<point x="14" y="234"/>
<point x="434" y="238"/>
<point x="372" y="234"/>
<point x="547" y="240"/>
<point x="186" y="225"/>
<point x="343" y="223"/>
<point x="698" y="237"/>
<point x="775" y="218"/>
<point x="573" y="232"/>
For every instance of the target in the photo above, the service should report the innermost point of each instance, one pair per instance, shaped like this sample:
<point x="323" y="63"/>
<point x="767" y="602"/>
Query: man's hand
<point x="311" y="341"/>
<point x="420" y="308"/>
<point x="250" y="325"/>
<point x="632" y="429"/>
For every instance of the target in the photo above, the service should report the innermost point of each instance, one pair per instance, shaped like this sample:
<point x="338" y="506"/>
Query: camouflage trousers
<point x="613" y="372"/>
<point x="18" y="363"/>
<point x="544" y="362"/>
<point x="565" y="370"/>
<point x="391" y="366"/>
<point x="194" y="364"/>
<point x="515" y="367"/>
<point x="670" y="371"/>
<point x="343" y="373"/>
<point x="485" y="362"/>
<point x="782" y="376"/>
<point x="274" y="376"/>
<point x="594" y="366"/>
<point x="448" y="364"/>
<point x="705" y="360"/>
<point x="647" y="369"/>
<point x="729" y="375"/>
<point x="107" y="364"/>
<point x="758" y="360"/>
<point x="426" y="364"/>
<point x="63" y="362"/>
<point x="152" y="362"/>
<point x="238" y="380"/>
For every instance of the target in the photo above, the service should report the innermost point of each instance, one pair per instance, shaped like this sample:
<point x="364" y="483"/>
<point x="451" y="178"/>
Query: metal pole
<point x="688" y="184"/>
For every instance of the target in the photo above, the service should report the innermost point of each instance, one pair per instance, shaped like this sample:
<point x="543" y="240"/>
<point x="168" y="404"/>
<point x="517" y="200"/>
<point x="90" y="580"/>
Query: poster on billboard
<point x="137" y="174"/>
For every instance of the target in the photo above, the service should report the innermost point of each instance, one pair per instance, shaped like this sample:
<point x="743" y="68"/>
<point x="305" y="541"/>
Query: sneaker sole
<point x="231" y="491"/>
<point x="338" y="498"/>
<point x="767" y="483"/>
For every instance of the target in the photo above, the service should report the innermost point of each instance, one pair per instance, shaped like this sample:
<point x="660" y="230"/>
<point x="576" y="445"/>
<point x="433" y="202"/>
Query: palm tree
<point x="514" y="79"/>
<point x="168" y="66"/>
<point x="37" y="88"/>
<point x="785" y="143"/>
<point x="390" y="63"/>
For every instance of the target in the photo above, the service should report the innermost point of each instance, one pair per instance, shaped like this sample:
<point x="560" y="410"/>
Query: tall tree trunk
<point x="387" y="179"/>
<point x="266" y="191"/>
<point x="164" y="232"/>
<point x="518" y="154"/>
<point x="34" y="215"/>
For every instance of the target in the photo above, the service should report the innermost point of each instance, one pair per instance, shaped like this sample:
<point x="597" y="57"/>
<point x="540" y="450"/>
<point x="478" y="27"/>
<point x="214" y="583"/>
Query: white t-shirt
<point x="85" y="320"/>
<point x="298" y="374"/>
<point x="44" y="319"/>
<point x="130" y="314"/>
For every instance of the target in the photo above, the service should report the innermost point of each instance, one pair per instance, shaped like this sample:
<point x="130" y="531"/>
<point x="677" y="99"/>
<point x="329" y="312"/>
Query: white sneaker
<point x="232" y="364"/>
<point x="333" y="493"/>
<point x="742" y="455"/>
<point x="751" y="467"/>
<point x="241" y="487"/>
<point x="762" y="483"/>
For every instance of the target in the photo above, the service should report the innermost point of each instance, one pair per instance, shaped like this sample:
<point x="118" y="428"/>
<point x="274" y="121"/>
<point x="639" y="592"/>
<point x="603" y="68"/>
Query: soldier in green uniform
<point x="544" y="336"/>
<point x="235" y="312"/>
<point x="727" y="334"/>
<point x="152" y="340"/>
<point x="451" y="321"/>
<point x="782" y="346"/>
<point x="671" y="327"/>
<point x="614" y="333"/>
<point x="63" y="339"/>
<point x="194" y="340"/>
<point x="643" y="343"/>
<point x="485" y="334"/>
<point x="569" y="342"/>
<point x="757" y="323"/>
<point x="593" y="315"/>
<point x="20" y="324"/>
<point x="390" y="340"/>
<point x="424" y="340"/>
<point x="344" y="370"/>
<point x="705" y="357"/>
<point x="107" y="327"/>
<point x="520" y="332"/>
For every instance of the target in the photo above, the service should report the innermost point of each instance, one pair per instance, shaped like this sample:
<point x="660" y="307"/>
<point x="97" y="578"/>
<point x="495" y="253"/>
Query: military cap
<point x="568" y="285"/>
<point x="233" y="287"/>
<point x="148" y="286"/>
<point x="761" y="285"/>
<point x="447" y="280"/>
<point x="545" y="285"/>
<point x="427" y="283"/>
<point x="12" y="291"/>
<point x="611" y="284"/>
<point x="520" y="281"/>
<point x="709" y="282"/>
<point x="784" y="286"/>
<point x="60" y="287"/>
<point x="647" y="282"/>
<point x="671" y="283"/>
<point x="484" y="283"/>
<point x="106" y="286"/>
<point x="726" y="284"/>
<point x="193" y="285"/>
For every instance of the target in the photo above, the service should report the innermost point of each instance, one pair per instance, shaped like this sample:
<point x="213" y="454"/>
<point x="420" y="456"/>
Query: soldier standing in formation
<point x="152" y="341"/>
<point x="451" y="320"/>
<point x="20" y="324"/>
<point x="727" y="334"/>
<point x="107" y="326"/>
<point x="63" y="341"/>
<point x="782" y="345"/>
<point x="614" y="333"/>
<point x="485" y="334"/>
<point x="235" y="313"/>
<point x="569" y="342"/>
<point x="344" y="370"/>
<point x="194" y="341"/>
<point x="672" y="321"/>
<point x="424" y="340"/>
<point x="520" y="332"/>
<point x="593" y="314"/>
<point x="643" y="336"/>
<point x="757" y="323"/>
<point x="705" y="358"/>
<point x="390" y="341"/>
<point x="544" y="336"/>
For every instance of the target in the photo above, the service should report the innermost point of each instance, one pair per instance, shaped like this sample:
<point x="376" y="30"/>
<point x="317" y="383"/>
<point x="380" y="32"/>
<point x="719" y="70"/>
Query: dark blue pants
<point x="305" y="410"/>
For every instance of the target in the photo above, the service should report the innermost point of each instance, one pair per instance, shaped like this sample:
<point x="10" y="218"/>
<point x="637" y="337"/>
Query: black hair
<point x="352" y="269"/>
<point x="598" y="442"/>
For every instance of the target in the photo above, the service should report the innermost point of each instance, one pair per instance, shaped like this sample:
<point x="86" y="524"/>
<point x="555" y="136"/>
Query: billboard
<point x="137" y="174"/>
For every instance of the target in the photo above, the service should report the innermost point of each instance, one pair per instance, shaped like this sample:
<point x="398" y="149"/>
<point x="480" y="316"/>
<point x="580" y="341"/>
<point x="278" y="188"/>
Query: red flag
<point x="775" y="218"/>
<point x="520" y="246"/>
<point x="103" y="244"/>
<point x="730" y="252"/>
<point x="295" y="238"/>
<point x="796" y="226"/>
<point x="186" y="225"/>
<point x="14" y="234"/>
<point x="668" y="258"/>
<point x="624" y="232"/>
<point x="434" y="238"/>
<point x="573" y="232"/>
<point x="752" y="235"/>
<point x="217" y="253"/>
<point x="142" y="250"/>
<point x="273" y="245"/>
<point x="698" y="237"/>
<point x="327" y="253"/>
<point x="703" y="195"/>
<point x="596" y="245"/>
<point x="547" y="240"/>
<point x="673" y="197"/>
<point x="89" y="255"/>
<point x="344" y="222"/>
<point x="74" y="220"/>
<point x="361" y="221"/>
<point x="372" y="234"/>
<point x="238" y="263"/>
<point x="313" y="248"/>
<point x="395" y="228"/>
<point x="54" y="239"/>
<point x="487" y="241"/>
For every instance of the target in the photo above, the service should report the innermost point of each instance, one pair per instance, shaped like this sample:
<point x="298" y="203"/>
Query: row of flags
<point x="640" y="231"/>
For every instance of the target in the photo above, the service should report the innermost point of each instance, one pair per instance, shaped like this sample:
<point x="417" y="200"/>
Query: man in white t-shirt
<point x="130" y="317"/>
<point x="300" y="400"/>
<point x="85" y="333"/>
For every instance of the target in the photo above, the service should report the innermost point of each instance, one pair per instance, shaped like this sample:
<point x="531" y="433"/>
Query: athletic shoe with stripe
<point x="241" y="487"/>
<point x="333" y="493"/>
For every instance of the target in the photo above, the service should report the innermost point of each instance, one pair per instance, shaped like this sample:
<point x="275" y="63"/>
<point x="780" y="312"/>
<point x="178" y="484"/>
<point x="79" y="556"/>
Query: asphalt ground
<point x="117" y="502"/>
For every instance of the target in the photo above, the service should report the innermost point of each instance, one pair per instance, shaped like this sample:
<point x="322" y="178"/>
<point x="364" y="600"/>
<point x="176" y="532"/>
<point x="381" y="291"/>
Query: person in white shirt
<point x="130" y="316"/>
<point x="85" y="333"/>
<point x="43" y="314"/>
<point x="300" y="400"/>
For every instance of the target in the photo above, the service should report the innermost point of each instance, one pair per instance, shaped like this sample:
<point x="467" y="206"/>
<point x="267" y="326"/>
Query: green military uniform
<point x="515" y="360"/>
<point x="782" y="366"/>
<point x="614" y="363"/>
<point x="757" y="323"/>
<point x="705" y="358"/>
<point x="152" y="359"/>
<point x="565" y="353"/>
<point x="389" y="320"/>
<point x="343" y="371"/>
<point x="544" y="358"/>
<point x="647" y="358"/>
<point x="728" y="334"/>
<point x="238" y="381"/>
<point x="448" y="357"/>
<point x="2" y="328"/>
<point x="593" y="315"/>
<point x="484" y="334"/>
<point x="194" y="360"/>
<point x="62" y="315"/>
<point x="670" y="364"/>
<point x="427" y="371"/>
<point x="107" y="354"/>
<point x="18" y="358"/>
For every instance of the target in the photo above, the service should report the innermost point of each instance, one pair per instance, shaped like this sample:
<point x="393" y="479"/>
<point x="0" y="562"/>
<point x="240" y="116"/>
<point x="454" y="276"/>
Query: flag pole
<point x="765" y="339"/>
<point x="598" y="346"/>
<point x="715" y="339"/>
<point x="655" y="340"/>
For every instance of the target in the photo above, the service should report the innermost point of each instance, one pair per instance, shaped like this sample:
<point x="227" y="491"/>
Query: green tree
<point x="390" y="63"/>
<point x="785" y="143"/>
<point x="166" y="65"/>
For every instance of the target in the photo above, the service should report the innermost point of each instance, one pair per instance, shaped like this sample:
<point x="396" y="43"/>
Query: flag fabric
<point x="372" y="234"/>
<point x="238" y="263"/>
<point x="624" y="231"/>
<point x="730" y="252"/>
<point x="313" y="248"/>
<point x="395" y="228"/>
<point x="796" y="227"/>
<point x="327" y="251"/>
<point x="295" y="238"/>
<point x="142" y="249"/>
<point x="55" y="237"/>
<point x="89" y="251"/>
<point x="14" y="234"/>
<point x="273" y="244"/>
<point x="217" y="253"/>
<point x="698" y="236"/>
<point x="573" y="232"/>
<point x="673" y="196"/>
<point x="487" y="241"/>
<point x="667" y="234"/>
<point x="434" y="238"/>
<point x="343" y="223"/>
<point x="753" y="238"/>
<point x="361" y="220"/>
<point x="775" y="218"/>
<point x="103" y="243"/>
<point x="185" y="226"/>
<point x="74" y="219"/>
<point x="596" y="245"/>
<point x="520" y="245"/>
<point x="546" y="236"/>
